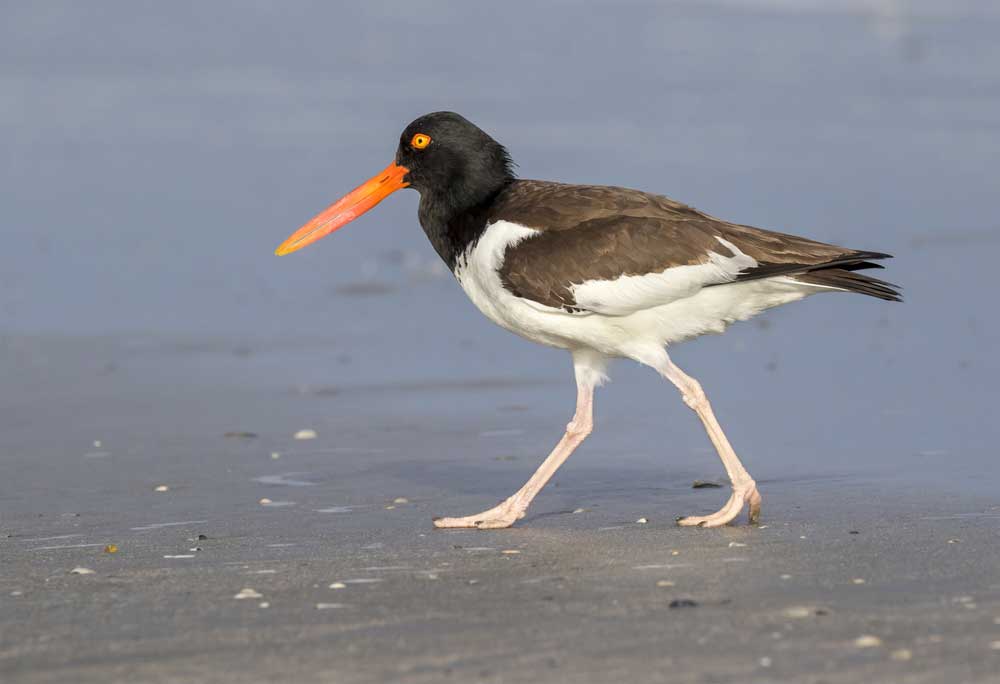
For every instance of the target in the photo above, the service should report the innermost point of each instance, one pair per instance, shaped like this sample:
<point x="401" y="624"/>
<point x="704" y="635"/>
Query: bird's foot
<point x="745" y="494"/>
<point x="498" y="517"/>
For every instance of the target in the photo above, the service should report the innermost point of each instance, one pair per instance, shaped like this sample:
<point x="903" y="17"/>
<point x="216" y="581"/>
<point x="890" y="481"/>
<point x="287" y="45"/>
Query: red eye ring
<point x="420" y="141"/>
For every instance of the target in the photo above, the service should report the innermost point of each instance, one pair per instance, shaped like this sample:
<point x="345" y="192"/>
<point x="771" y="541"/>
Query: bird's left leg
<point x="589" y="372"/>
<point x="744" y="488"/>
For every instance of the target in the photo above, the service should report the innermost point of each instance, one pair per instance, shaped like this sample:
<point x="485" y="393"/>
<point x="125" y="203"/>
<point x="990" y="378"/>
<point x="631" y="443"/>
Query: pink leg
<point x="589" y="372"/>
<point x="744" y="488"/>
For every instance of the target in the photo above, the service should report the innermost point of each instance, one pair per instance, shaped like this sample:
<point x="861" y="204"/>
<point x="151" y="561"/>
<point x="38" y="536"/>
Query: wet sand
<point x="853" y="576"/>
<point x="152" y="163"/>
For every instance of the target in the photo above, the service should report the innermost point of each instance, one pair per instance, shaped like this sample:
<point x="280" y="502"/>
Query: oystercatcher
<point x="603" y="272"/>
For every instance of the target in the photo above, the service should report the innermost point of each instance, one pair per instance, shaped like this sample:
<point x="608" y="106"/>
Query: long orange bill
<point x="347" y="208"/>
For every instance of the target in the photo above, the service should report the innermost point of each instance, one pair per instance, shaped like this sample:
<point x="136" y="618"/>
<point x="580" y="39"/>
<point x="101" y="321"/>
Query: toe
<point x="494" y="523"/>
<point x="692" y="521"/>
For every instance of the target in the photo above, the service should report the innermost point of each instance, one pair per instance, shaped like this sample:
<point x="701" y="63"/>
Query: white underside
<point x="632" y="316"/>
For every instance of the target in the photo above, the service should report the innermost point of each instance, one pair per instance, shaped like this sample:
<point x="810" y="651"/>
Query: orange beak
<point x="347" y="208"/>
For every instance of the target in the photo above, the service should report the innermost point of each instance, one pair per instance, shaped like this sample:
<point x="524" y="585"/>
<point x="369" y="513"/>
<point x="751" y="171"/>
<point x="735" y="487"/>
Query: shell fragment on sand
<point x="306" y="434"/>
<point x="798" y="612"/>
<point x="248" y="593"/>
<point x="867" y="641"/>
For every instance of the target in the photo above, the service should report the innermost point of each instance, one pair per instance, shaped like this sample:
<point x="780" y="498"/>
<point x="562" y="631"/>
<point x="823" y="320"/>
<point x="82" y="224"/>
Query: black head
<point x="453" y="164"/>
<point x="451" y="161"/>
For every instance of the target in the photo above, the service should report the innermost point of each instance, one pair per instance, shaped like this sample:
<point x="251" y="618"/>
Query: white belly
<point x="706" y="310"/>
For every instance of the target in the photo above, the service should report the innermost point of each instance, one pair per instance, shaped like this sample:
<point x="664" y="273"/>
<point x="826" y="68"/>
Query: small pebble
<point x="675" y="553"/>
<point x="97" y="444"/>
<point x="510" y="552"/>
<point x="664" y="583"/>
<point x="265" y="501"/>
<point x="338" y="585"/>
<point x="901" y="654"/>
<point x="858" y="580"/>
<point x="306" y="434"/>
<point x="161" y="488"/>
<point x="799" y="612"/>
<point x="682" y="603"/>
<point x="390" y="508"/>
<point x="195" y="549"/>
<point x="867" y="641"/>
<point x="765" y="662"/>
<point x="642" y="521"/>
<point x="275" y="455"/>
<point x="202" y="537"/>
<point x="111" y="548"/>
<point x="400" y="500"/>
<point x="785" y="577"/>
<point x="248" y="593"/>
<point x="82" y="571"/>
<point x="263" y="604"/>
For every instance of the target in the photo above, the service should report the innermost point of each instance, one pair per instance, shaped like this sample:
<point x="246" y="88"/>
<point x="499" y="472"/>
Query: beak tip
<point x="346" y="209"/>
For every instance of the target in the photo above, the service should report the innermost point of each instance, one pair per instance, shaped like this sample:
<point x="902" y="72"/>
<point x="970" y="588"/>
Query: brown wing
<point x="600" y="233"/>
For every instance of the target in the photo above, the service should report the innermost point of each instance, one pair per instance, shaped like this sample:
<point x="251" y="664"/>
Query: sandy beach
<point x="160" y="521"/>
<point x="856" y="574"/>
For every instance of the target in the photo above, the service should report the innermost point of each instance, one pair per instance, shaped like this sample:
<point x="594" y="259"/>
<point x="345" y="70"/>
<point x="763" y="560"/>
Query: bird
<point x="603" y="272"/>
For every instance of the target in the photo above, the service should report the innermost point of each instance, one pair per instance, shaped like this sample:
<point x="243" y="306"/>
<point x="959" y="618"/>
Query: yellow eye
<point x="420" y="141"/>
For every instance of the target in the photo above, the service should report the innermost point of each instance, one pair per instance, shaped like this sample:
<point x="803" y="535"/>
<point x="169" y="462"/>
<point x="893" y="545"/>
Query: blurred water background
<point x="152" y="155"/>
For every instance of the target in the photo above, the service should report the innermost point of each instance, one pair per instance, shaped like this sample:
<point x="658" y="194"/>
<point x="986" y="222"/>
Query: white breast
<point x="477" y="271"/>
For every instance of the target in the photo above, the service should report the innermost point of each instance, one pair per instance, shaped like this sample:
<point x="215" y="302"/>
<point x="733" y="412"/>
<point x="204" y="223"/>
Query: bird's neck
<point x="453" y="226"/>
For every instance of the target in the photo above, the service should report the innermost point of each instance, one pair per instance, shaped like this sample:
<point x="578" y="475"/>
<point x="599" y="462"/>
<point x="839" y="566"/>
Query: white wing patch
<point x="629" y="293"/>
